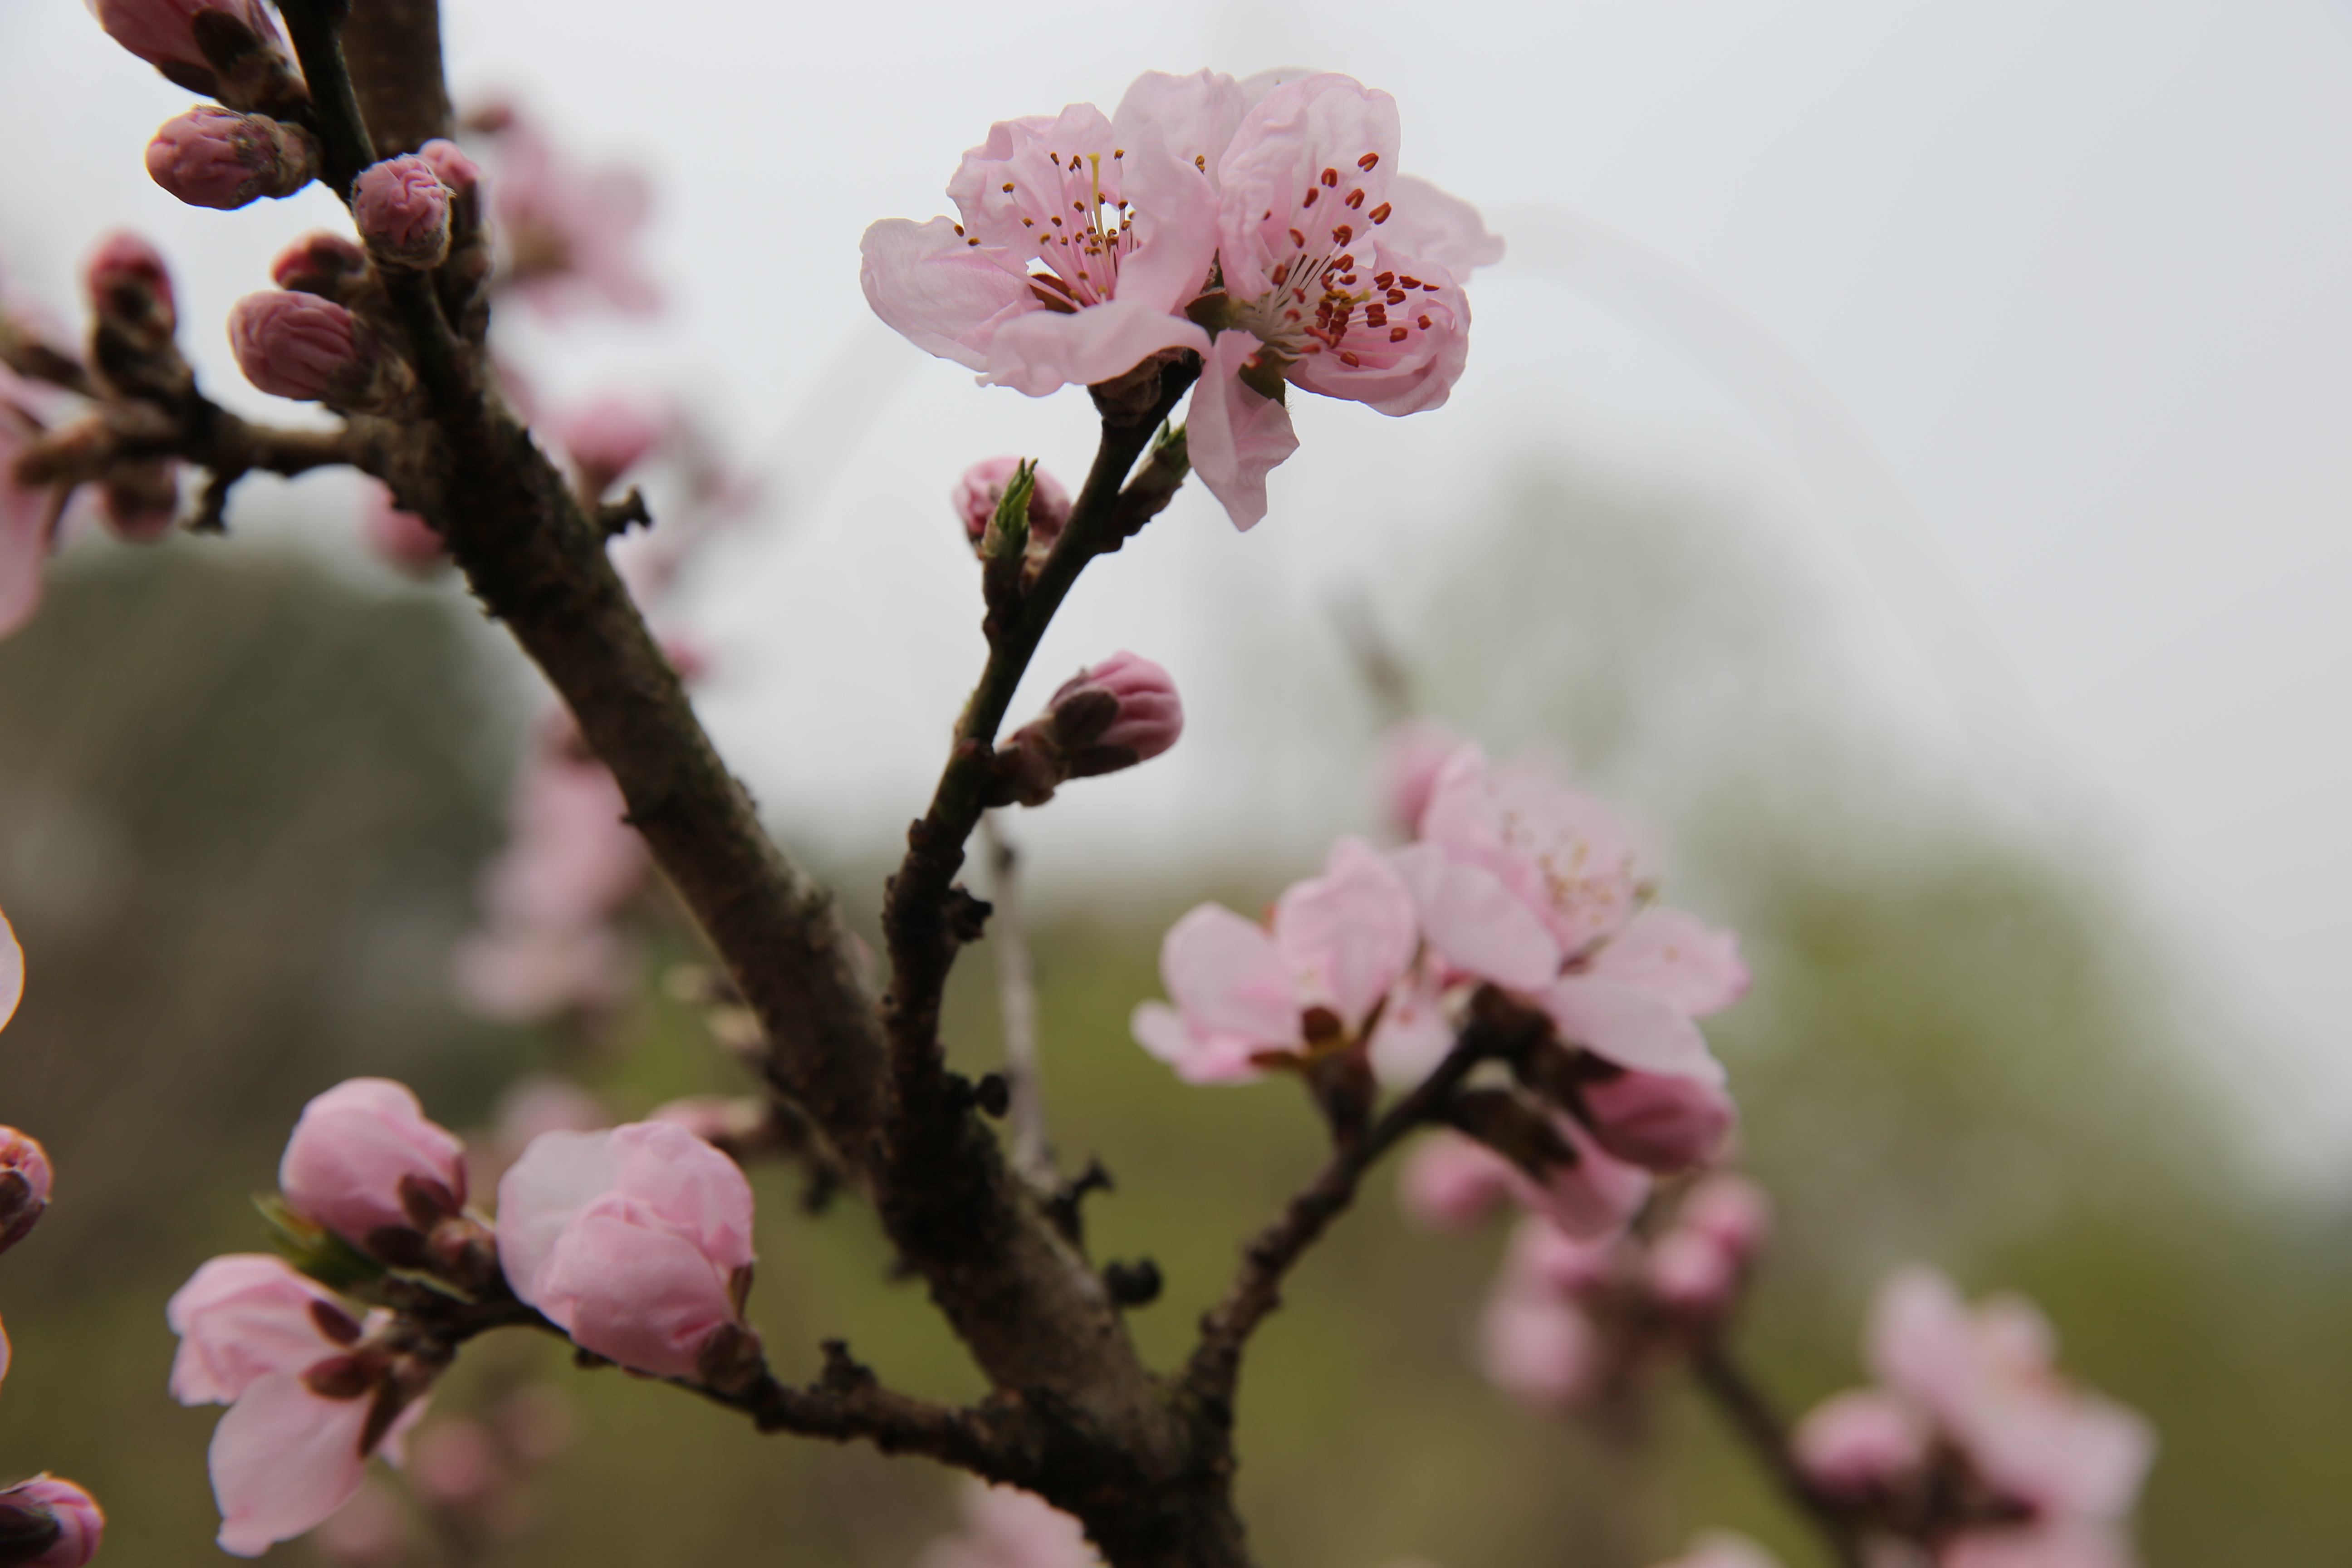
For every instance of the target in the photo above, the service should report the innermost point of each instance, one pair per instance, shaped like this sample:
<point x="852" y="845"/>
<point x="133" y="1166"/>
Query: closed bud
<point x="131" y="288"/>
<point x="1859" y="1443"/>
<point x="212" y="157"/>
<point x="363" y="1159"/>
<point x="301" y="346"/>
<point x="48" y="1524"/>
<point x="983" y="486"/>
<point x="402" y="212"/>
<point x="1656" y="1122"/>
<point x="1122" y="711"/>
<point x="24" y="1179"/>
<point x="319" y="264"/>
<point x="164" y="33"/>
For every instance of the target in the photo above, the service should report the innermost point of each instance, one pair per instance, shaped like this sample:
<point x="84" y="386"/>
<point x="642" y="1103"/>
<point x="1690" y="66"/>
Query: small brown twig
<point x="1753" y="1417"/>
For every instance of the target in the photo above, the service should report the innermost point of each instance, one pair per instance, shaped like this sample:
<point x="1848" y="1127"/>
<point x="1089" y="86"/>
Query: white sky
<point x="2027" y="323"/>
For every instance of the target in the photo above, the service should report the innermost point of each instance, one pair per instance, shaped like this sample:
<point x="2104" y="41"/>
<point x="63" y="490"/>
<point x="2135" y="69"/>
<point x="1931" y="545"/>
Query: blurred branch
<point x="1496" y="1029"/>
<point x="394" y="51"/>
<point x="1016" y="987"/>
<point x="1757" y="1424"/>
<point x="1374" y="653"/>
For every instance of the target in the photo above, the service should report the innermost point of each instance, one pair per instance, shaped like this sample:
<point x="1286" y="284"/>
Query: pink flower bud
<point x="402" y="212"/>
<point x="247" y="1316"/>
<point x="1450" y="1183"/>
<point x="162" y="32"/>
<point x="606" y="438"/>
<point x="363" y="1159"/>
<point x="636" y="1242"/>
<point x="126" y="280"/>
<point x="1692" y="1275"/>
<point x="1732" y="1211"/>
<point x="983" y="486"/>
<point x="1122" y="711"/>
<point x="24" y="1186"/>
<point x="401" y="538"/>
<point x="447" y="159"/>
<point x="1538" y="1348"/>
<point x="1659" y="1122"/>
<point x="12" y="957"/>
<point x="212" y="157"/>
<point x="297" y="345"/>
<point x="58" y="1512"/>
<point x="317" y="264"/>
<point x="1859" y="1441"/>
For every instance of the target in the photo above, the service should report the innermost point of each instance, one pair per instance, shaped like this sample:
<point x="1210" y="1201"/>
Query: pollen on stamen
<point x="1380" y="213"/>
<point x="1356" y="198"/>
<point x="1331" y="176"/>
<point x="1281" y="274"/>
<point x="971" y="242"/>
<point x="1056" y="157"/>
<point x="1058" y="223"/>
<point x="1311" y="194"/>
<point x="1119" y="151"/>
<point x="1396" y="334"/>
<point x="1201" y="161"/>
<point x="1342" y="233"/>
<point x="1395" y="296"/>
<point x="1423" y="323"/>
<point x="1366" y="161"/>
<point x="1296" y="237"/>
<point x="1349" y="359"/>
<point x="1008" y="187"/>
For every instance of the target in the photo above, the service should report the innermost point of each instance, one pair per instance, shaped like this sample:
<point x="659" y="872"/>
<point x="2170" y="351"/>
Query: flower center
<point x="1075" y="232"/>
<point x="1317" y="300"/>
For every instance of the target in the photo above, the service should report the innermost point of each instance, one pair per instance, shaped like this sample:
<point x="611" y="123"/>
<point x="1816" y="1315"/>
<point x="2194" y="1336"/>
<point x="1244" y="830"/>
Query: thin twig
<point x="1016" y="992"/>
<point x="1753" y="1417"/>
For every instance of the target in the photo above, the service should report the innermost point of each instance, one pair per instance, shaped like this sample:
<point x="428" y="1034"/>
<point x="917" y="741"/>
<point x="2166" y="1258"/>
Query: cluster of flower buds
<point x="1972" y="1443"/>
<point x="636" y="1242"/>
<point x="548" y="944"/>
<point x="1108" y="717"/>
<point x="1575" y="1320"/>
<point x="1324" y="269"/>
<point x="44" y="1522"/>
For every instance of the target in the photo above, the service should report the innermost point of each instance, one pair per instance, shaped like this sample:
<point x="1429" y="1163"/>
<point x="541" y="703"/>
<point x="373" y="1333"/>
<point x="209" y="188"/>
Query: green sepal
<point x="1008" y="529"/>
<point x="318" y="1252"/>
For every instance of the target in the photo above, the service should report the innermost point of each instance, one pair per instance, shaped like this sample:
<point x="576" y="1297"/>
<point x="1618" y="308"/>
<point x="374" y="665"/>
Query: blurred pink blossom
<point x="26" y="515"/>
<point x="1412" y="755"/>
<point x="162" y="32"/>
<point x="25" y="1182"/>
<point x="636" y="1241"/>
<point x="401" y="538"/>
<point x="80" y="1523"/>
<point x="570" y="237"/>
<point x="1658" y="1121"/>
<point x="455" y="1462"/>
<point x="605" y="437"/>
<point x="1004" y="1527"/>
<point x="1861" y="1441"/>
<point x="12" y="972"/>
<point x="363" y="1158"/>
<point x="1243" y="991"/>
<point x="1450" y="1183"/>
<point x="1535" y="1340"/>
<point x="1721" y="1548"/>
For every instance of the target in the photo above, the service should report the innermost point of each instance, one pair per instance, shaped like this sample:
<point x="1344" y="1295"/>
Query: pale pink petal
<point x="241" y="1317"/>
<point x="1592" y="1197"/>
<point x="353" y="1147"/>
<point x="1349" y="932"/>
<point x="1045" y="159"/>
<point x="689" y="1185"/>
<point x="1198" y="1058"/>
<point x="1226" y="975"/>
<point x="1439" y="228"/>
<point x="2067" y="1451"/>
<point x="1659" y="1121"/>
<point x="557" y="1176"/>
<point x="1235" y="437"/>
<point x="632" y="1290"/>
<point x="1539" y="1349"/>
<point x="1450" y="1183"/>
<point x="12" y="972"/>
<point x="1665" y="950"/>
<point x="1918" y="1340"/>
<point x="1190" y="117"/>
<point x="1860" y="1440"/>
<point x="1044" y="351"/>
<point x="926" y="283"/>
<point x="1411" y="754"/>
<point x="1175" y="224"/>
<point x="1398" y="376"/>
<point x="1544" y="1257"/>
<point x="1278" y="153"/>
<point x="1006" y="1528"/>
<point x="1414" y="1036"/>
<point x="1631" y="1026"/>
<point x="1475" y="922"/>
<point x="282" y="1460"/>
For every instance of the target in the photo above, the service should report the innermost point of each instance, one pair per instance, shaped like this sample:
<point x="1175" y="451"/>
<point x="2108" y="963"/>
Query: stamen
<point x="1395" y="296"/>
<point x="1311" y="194"/>
<point x="1008" y="187"/>
<point x="1396" y="334"/>
<point x="1380" y="213"/>
<point x="1423" y="323"/>
<point x="1410" y="282"/>
<point x="1366" y="161"/>
<point x="1343" y="233"/>
<point x="1356" y="198"/>
<point x="1349" y="359"/>
<point x="1296" y="237"/>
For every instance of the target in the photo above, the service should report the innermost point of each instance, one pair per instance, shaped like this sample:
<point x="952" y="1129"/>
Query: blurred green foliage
<point x="242" y="803"/>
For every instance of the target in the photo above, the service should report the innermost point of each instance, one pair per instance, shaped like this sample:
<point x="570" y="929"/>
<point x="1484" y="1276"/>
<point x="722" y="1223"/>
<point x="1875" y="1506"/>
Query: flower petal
<point x="938" y="294"/>
<point x="1227" y="976"/>
<point x="1696" y="968"/>
<point x="282" y="1460"/>
<point x="12" y="972"/>
<point x="1235" y="438"/>
<point x="559" y="1175"/>
<point x="1042" y="350"/>
<point x="1350" y="929"/>
<point x="1631" y="1027"/>
<point x="1475" y="922"/>
<point x="1197" y="1057"/>
<point x="1438" y="228"/>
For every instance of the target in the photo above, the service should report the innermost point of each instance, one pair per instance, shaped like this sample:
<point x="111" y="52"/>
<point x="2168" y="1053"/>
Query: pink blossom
<point x="1244" y="993"/>
<point x="162" y="32"/>
<point x="1658" y="1121"/>
<point x="1083" y="239"/>
<point x="212" y="157"/>
<point x="2070" y="1544"/>
<point x="5" y="1353"/>
<point x="295" y="345"/>
<point x="80" y="1522"/>
<point x="368" y="1529"/>
<point x="1318" y="289"/>
<point x="571" y="861"/>
<point x="570" y="237"/>
<point x="401" y="538"/>
<point x="256" y="1336"/>
<point x="1535" y="1340"/>
<point x="607" y="437"/>
<point x="983" y="486"/>
<point x="635" y="1241"/>
<point x="1988" y="1377"/>
<point x="1007" y="1527"/>
<point x="1527" y="885"/>
<point x="25" y="1180"/>
<point x="1450" y="1183"/>
<point x="447" y="159"/>
<point x="1594" y="1195"/>
<point x="1108" y="717"/>
<point x="1721" y="1548"/>
<point x="1861" y="1441"/>
<point x="363" y="1158"/>
<point x="402" y="209"/>
<point x="1412" y="755"/>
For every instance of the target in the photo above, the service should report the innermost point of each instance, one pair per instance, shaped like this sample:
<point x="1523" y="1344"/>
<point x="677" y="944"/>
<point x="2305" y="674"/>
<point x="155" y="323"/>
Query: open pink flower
<point x="1245" y="994"/>
<point x="636" y="1241"/>
<point x="1536" y="1341"/>
<point x="363" y="1158"/>
<point x="1528" y="885"/>
<point x="1083" y="240"/>
<point x="265" y="1341"/>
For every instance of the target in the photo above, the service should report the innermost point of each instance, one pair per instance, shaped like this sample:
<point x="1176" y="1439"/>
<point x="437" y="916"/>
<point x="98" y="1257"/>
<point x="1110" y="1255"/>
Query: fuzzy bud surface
<point x="403" y="211"/>
<point x="295" y="345"/>
<point x="47" y="1509"/>
<point x="363" y="1158"/>
<point x="212" y="157"/>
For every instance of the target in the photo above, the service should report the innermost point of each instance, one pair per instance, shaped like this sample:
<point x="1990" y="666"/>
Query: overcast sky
<point x="2025" y="325"/>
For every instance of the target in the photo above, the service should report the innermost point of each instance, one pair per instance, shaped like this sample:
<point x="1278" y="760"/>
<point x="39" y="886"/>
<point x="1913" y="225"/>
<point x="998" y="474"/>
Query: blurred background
<point x="1899" y="467"/>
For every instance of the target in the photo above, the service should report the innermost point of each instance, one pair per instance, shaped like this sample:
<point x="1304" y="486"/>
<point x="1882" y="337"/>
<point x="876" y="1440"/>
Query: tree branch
<point x="1751" y="1416"/>
<point x="394" y="51"/>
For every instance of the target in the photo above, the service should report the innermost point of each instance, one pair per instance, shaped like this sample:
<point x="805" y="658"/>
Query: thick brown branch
<point x="394" y="51"/>
<point x="1766" y="1435"/>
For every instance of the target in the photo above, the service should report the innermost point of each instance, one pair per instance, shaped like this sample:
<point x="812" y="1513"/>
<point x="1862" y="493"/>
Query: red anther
<point x="1356" y="198"/>
<point x="1429" y="288"/>
<point x="1384" y="278"/>
<point x="1342" y="233"/>
<point x="1424" y="323"/>
<point x="1346" y="358"/>
<point x="1281" y="274"/>
<point x="1311" y="194"/>
<point x="1376" y="317"/>
<point x="1368" y="160"/>
<point x="1396" y="334"/>
<point x="1296" y="237"/>
<point x="1395" y="296"/>
<point x="1331" y="176"/>
<point x="1410" y="282"/>
<point x="1380" y="213"/>
<point x="1008" y="187"/>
